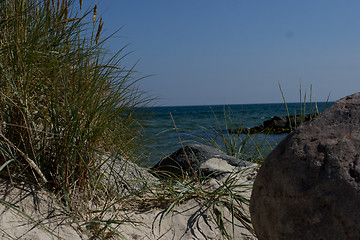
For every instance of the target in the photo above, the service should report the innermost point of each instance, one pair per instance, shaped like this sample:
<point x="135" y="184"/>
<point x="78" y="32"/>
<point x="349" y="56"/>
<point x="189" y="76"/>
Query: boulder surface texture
<point x="309" y="186"/>
<point x="198" y="159"/>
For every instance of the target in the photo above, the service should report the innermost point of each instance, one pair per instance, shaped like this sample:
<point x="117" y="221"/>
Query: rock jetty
<point x="276" y="125"/>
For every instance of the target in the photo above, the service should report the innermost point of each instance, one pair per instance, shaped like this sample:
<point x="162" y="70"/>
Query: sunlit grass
<point x="64" y="101"/>
<point x="231" y="193"/>
<point x="313" y="110"/>
<point x="250" y="147"/>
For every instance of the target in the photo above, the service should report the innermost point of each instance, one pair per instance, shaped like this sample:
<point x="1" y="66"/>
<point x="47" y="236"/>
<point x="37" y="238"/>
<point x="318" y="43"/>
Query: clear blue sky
<point x="233" y="52"/>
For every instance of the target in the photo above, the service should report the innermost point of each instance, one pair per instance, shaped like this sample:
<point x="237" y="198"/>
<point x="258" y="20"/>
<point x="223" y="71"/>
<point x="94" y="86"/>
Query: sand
<point x="29" y="213"/>
<point x="190" y="220"/>
<point x="45" y="219"/>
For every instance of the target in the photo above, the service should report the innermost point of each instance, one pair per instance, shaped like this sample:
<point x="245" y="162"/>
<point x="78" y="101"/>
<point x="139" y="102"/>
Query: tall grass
<point x="299" y="118"/>
<point x="251" y="147"/>
<point x="63" y="98"/>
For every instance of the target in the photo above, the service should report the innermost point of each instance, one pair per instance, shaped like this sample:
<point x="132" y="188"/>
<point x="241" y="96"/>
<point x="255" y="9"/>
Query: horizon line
<point x="229" y="104"/>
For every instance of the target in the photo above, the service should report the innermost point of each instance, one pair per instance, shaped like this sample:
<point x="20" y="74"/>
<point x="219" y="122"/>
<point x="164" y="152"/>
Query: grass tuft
<point x="250" y="147"/>
<point x="64" y="100"/>
<point x="297" y="119"/>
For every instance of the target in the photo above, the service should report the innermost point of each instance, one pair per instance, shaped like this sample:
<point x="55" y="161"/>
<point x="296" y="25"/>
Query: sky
<point x="204" y="52"/>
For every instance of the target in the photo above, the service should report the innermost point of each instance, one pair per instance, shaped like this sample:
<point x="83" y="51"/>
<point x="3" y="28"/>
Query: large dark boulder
<point x="309" y="186"/>
<point x="198" y="159"/>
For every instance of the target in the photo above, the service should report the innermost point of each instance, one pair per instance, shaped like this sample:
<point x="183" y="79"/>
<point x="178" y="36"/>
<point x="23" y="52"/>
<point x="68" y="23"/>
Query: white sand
<point x="190" y="220"/>
<point x="187" y="221"/>
<point x="41" y="218"/>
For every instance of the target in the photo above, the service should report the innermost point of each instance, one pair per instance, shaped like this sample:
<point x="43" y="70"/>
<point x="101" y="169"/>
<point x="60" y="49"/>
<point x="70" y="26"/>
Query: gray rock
<point x="309" y="186"/>
<point x="124" y="176"/>
<point x="204" y="160"/>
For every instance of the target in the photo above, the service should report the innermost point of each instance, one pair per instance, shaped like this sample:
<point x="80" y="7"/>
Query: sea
<point x="169" y="128"/>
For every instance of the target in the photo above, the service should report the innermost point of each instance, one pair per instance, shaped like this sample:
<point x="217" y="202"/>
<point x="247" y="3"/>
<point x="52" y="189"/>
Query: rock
<point x="276" y="125"/>
<point x="281" y="122"/>
<point x="204" y="160"/>
<point x="309" y="186"/>
<point x="132" y="177"/>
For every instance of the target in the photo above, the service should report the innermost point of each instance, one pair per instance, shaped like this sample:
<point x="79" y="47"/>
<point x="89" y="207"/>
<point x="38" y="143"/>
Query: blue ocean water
<point x="196" y="122"/>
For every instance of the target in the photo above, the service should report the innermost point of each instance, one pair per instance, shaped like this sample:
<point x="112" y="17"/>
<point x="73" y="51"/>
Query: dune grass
<point x="64" y="99"/>
<point x="231" y="193"/>
<point x="298" y="118"/>
<point x="250" y="147"/>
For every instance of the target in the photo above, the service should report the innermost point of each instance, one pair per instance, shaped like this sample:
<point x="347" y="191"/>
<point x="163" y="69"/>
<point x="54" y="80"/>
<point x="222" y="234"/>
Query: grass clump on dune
<point x="64" y="99"/>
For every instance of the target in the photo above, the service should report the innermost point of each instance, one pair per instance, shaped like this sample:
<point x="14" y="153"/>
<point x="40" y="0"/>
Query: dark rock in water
<point x="281" y="122"/>
<point x="309" y="186"/>
<point x="276" y="125"/>
<point x="204" y="160"/>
